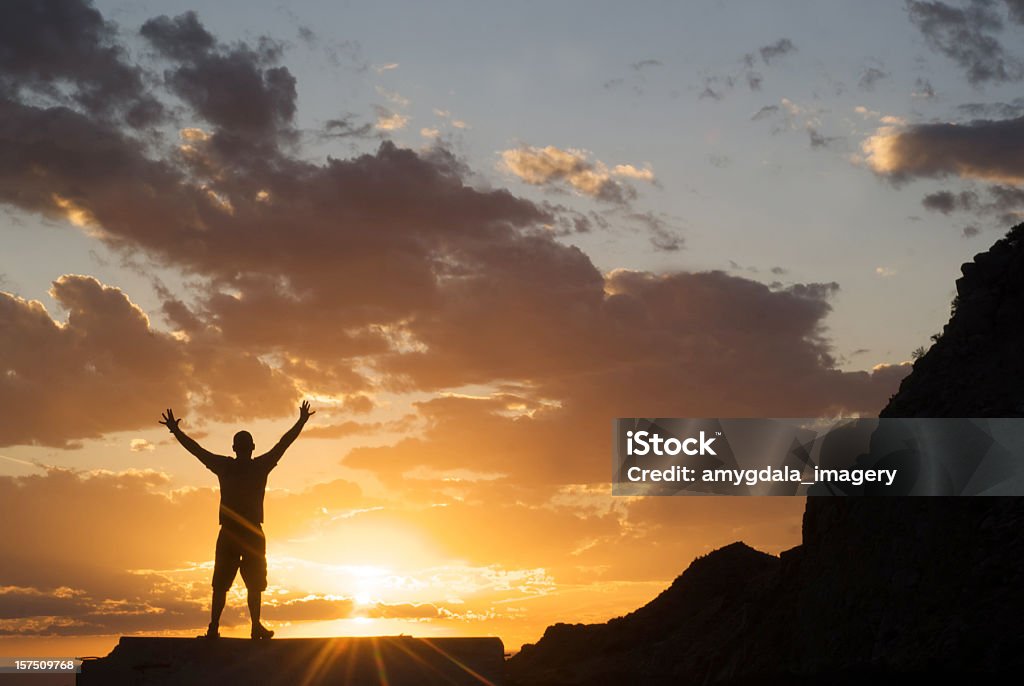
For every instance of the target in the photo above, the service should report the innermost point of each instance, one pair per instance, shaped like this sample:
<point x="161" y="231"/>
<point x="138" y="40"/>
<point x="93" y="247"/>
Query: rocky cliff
<point x="885" y="589"/>
<point x="975" y="367"/>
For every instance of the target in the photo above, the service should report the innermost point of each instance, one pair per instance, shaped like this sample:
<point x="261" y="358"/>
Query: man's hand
<point x="169" y="421"/>
<point x="304" y="411"/>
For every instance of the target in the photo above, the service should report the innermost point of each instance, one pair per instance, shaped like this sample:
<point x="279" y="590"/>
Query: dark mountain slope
<point x="881" y="589"/>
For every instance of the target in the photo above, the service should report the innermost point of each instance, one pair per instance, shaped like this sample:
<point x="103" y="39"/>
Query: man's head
<point x="243" y="445"/>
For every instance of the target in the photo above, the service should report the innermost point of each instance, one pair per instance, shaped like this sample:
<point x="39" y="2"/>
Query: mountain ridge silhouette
<point x="880" y="589"/>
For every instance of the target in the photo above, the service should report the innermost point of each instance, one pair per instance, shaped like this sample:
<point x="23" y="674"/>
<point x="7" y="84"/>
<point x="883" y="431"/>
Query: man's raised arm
<point x="205" y="456"/>
<point x="291" y="434"/>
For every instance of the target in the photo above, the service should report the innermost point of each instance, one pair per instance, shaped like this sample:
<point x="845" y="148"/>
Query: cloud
<point x="387" y="271"/>
<point x="1004" y="204"/>
<point x="779" y="48"/>
<point x="1016" y="8"/>
<point x="393" y="97"/>
<point x="817" y="139"/>
<point x="870" y="76"/>
<point x="139" y="445"/>
<point x="261" y="98"/>
<point x="346" y="127"/>
<point x="101" y="370"/>
<point x="981" y="149"/>
<point x="967" y="35"/>
<point x="95" y="373"/>
<point x="923" y="89"/>
<point x="993" y="110"/>
<point x="635" y="346"/>
<point x="946" y="202"/>
<point x="765" y="112"/>
<point x="663" y="235"/>
<point x="388" y="120"/>
<point x="795" y="117"/>
<point x="384" y="273"/>
<point x="717" y="86"/>
<point x="182" y="37"/>
<point x="352" y="428"/>
<point x="551" y="166"/>
<point x="65" y="53"/>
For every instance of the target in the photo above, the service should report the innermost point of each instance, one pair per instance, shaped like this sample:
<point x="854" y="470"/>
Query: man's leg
<point x="254" y="574"/>
<point x="254" y="601"/>
<point x="216" y="608"/>
<point x="225" y="566"/>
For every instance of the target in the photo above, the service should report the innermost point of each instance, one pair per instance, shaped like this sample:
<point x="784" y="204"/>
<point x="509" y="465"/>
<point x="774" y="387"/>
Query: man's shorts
<point x="240" y="549"/>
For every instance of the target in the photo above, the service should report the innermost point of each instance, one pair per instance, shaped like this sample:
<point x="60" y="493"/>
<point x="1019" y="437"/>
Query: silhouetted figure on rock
<point x="241" y="544"/>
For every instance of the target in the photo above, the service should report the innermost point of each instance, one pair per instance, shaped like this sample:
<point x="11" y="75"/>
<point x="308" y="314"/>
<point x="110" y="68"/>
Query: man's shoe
<point x="211" y="632"/>
<point x="260" y="632"/>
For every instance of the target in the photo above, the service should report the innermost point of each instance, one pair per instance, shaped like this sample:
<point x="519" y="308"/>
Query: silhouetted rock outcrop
<point x="393" y="660"/>
<point x="669" y="636"/>
<point x="881" y="589"/>
<point x="976" y="366"/>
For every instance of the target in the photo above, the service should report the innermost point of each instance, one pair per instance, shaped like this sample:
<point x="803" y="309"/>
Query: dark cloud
<point x="388" y="270"/>
<point x="307" y="35"/>
<point x="662" y="234"/>
<point x="993" y="110"/>
<point x="384" y="271"/>
<point x="1016" y="8"/>
<point x="765" y="112"/>
<point x="970" y="231"/>
<point x="101" y="370"/>
<point x="923" y="89"/>
<point x="967" y="35"/>
<point x="234" y="88"/>
<point x="717" y="86"/>
<point x="947" y="202"/>
<point x="980" y="149"/>
<point x="658" y="334"/>
<point x="346" y="126"/>
<point x="870" y="76"/>
<point x="1002" y="204"/>
<point x="1006" y="198"/>
<point x="65" y="52"/>
<point x="181" y="38"/>
<point x="817" y="139"/>
<point x="635" y="79"/>
<point x="93" y="374"/>
<point x="779" y="48"/>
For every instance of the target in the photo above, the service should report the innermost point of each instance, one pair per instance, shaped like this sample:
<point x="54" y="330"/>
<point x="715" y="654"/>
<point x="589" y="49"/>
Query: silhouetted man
<point x="241" y="544"/>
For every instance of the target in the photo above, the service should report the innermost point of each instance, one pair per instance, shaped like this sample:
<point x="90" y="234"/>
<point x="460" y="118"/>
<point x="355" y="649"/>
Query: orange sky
<point x="433" y="556"/>
<point x="465" y="358"/>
